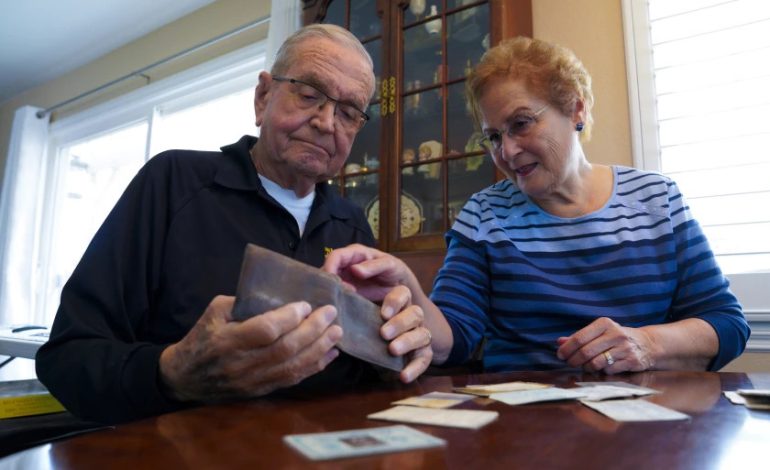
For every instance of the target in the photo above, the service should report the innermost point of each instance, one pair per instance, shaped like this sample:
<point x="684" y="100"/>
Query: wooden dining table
<point x="562" y="434"/>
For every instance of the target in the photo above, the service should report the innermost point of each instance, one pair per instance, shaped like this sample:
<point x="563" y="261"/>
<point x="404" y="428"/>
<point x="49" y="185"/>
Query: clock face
<point x="411" y="215"/>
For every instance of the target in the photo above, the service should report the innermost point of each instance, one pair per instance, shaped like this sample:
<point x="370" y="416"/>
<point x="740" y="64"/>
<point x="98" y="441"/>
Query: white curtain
<point x="284" y="20"/>
<point x="24" y="170"/>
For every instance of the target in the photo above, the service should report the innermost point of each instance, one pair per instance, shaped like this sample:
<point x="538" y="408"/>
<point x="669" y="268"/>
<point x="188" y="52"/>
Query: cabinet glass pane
<point x="467" y="176"/>
<point x="363" y="190"/>
<point x="461" y="134"/>
<point x="363" y="18"/>
<point x="419" y="9"/>
<point x="374" y="48"/>
<point x="421" y="200"/>
<point x="335" y="13"/>
<point x="452" y="4"/>
<point x="334" y="185"/>
<point x="467" y="39"/>
<point x="366" y="147"/>
<point x="422" y="121"/>
<point x="422" y="57"/>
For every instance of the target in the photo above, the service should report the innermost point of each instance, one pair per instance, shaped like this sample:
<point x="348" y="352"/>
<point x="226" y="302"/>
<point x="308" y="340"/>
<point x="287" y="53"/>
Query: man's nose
<point x="324" y="117"/>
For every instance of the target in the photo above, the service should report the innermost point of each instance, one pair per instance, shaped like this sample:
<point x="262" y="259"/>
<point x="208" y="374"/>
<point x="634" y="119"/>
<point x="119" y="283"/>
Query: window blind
<point x="711" y="69"/>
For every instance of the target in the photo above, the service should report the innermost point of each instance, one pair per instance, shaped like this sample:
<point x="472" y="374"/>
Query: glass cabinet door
<point x="418" y="160"/>
<point x="360" y="179"/>
<point x="441" y="162"/>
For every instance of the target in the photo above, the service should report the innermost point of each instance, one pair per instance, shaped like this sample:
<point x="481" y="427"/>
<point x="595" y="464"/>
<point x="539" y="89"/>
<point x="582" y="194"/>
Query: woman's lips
<point x="526" y="169"/>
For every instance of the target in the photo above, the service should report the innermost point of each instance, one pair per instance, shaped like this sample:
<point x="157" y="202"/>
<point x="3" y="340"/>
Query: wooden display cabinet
<point x="417" y="160"/>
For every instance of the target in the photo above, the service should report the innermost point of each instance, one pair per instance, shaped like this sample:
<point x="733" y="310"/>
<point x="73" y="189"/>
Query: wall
<point x="593" y="29"/>
<point x="211" y="21"/>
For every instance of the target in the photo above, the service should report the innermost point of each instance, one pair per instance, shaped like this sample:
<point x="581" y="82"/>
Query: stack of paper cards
<point x="533" y="396"/>
<point x="361" y="442"/>
<point x="598" y="391"/>
<point x="469" y="419"/>
<point x="634" y="410"/>
<point x="435" y="400"/>
<point x="751" y="398"/>
<point x="618" y="383"/>
<point x="487" y="390"/>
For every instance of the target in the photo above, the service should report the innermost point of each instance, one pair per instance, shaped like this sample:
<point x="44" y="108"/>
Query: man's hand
<point x="220" y="359"/>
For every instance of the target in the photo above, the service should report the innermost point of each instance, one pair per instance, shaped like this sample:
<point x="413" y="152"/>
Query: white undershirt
<point x="299" y="207"/>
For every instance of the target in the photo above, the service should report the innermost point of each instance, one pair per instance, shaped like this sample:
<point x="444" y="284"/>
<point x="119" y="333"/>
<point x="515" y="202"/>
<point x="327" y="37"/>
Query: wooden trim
<point x="424" y="264"/>
<point x="516" y="19"/>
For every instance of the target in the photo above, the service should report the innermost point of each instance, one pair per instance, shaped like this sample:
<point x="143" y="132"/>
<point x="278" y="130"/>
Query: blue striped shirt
<point x="522" y="277"/>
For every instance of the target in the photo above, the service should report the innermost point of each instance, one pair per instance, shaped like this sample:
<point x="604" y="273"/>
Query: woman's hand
<point x="606" y="346"/>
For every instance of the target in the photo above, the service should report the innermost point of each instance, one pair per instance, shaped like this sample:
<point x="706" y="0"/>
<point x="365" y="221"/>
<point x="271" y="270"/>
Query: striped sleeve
<point x="702" y="290"/>
<point x="462" y="285"/>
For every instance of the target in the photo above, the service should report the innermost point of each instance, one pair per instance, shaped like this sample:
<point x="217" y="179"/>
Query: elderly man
<point x="143" y="327"/>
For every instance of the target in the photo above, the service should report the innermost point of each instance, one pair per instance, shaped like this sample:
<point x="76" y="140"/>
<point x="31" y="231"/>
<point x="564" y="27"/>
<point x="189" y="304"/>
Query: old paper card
<point x="360" y="442"/>
<point x="634" y="410"/>
<point x="606" y="392"/>
<point x="469" y="419"/>
<point x="435" y="400"/>
<point x="533" y="396"/>
<point x="487" y="390"/>
<point x="749" y="400"/>
<point x="617" y="383"/>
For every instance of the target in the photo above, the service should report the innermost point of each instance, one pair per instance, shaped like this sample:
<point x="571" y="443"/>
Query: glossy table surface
<point x="545" y="435"/>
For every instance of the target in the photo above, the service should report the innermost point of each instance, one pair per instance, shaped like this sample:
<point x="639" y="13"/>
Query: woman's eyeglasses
<point x="518" y="126"/>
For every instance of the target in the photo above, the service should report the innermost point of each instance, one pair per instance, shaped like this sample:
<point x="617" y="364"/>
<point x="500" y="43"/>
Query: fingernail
<point x="388" y="332"/>
<point x="387" y="312"/>
<point x="330" y="314"/>
<point x="336" y="333"/>
<point x="304" y="308"/>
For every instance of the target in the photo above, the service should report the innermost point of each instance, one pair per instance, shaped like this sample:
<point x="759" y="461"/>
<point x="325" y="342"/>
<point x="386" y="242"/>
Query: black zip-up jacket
<point x="174" y="241"/>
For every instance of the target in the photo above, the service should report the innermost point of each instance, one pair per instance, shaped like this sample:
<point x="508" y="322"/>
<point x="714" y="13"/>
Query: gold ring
<point x="610" y="359"/>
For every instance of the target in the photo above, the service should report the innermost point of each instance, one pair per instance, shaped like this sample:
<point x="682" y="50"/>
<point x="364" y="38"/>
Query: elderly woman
<point x="566" y="263"/>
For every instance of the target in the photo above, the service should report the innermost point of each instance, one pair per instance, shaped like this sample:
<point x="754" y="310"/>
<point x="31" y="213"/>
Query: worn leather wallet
<point x="269" y="280"/>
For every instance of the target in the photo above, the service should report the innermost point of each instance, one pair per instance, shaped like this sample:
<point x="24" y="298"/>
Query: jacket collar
<point x="236" y="171"/>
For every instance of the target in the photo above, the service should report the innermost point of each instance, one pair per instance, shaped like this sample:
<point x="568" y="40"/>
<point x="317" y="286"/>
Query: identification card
<point x="361" y="442"/>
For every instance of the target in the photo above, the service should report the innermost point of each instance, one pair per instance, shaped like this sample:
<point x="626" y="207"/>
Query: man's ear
<point x="261" y="96"/>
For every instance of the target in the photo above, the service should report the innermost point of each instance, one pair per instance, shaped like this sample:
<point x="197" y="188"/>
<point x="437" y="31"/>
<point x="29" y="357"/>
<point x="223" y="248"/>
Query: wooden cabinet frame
<point x="424" y="253"/>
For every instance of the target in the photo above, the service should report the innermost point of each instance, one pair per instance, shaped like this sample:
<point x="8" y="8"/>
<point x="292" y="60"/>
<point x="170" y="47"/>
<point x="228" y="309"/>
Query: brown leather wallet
<point x="270" y="280"/>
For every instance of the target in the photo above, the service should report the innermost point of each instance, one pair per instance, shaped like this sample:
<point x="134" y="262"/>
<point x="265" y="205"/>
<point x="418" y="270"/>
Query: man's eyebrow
<point x="317" y="82"/>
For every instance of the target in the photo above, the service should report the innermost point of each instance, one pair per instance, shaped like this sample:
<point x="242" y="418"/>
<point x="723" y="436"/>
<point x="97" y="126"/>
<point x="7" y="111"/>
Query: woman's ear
<point x="578" y="113"/>
<point x="261" y="96"/>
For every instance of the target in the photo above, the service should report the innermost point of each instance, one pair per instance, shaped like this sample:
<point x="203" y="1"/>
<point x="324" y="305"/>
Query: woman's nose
<point x="510" y="146"/>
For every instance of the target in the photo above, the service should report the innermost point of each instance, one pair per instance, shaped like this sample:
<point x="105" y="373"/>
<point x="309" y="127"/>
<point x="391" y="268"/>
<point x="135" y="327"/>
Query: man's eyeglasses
<point x="519" y="125"/>
<point x="308" y="96"/>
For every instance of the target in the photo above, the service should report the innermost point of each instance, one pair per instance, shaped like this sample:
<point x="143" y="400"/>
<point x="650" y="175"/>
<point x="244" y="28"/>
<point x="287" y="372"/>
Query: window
<point x="93" y="155"/>
<point x="698" y="72"/>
